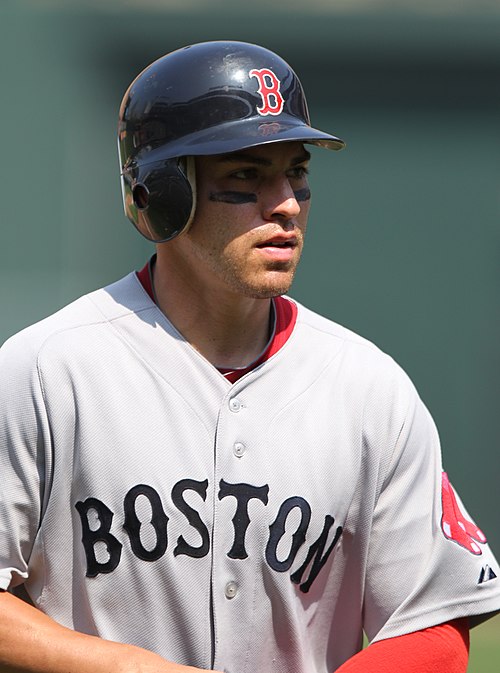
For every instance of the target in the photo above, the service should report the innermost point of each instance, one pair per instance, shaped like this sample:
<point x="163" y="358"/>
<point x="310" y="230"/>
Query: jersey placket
<point x="233" y="592"/>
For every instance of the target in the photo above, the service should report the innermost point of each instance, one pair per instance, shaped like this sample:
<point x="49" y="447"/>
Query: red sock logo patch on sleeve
<point x="455" y="526"/>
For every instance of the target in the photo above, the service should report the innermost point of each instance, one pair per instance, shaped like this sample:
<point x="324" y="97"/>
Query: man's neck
<point x="228" y="329"/>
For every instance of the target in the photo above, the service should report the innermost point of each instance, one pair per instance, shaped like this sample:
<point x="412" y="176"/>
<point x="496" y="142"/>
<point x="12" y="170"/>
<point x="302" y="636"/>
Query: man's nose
<point x="280" y="201"/>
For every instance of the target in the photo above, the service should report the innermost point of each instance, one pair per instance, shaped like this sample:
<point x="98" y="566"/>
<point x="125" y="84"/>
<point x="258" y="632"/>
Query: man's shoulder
<point x="100" y="306"/>
<point x="358" y="363"/>
<point x="334" y="332"/>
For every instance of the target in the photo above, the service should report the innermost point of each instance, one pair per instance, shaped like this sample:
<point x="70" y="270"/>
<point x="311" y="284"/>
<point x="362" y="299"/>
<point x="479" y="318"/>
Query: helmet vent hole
<point x="141" y="196"/>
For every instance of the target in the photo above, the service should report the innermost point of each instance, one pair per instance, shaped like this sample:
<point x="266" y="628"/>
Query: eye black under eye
<point x="233" y="197"/>
<point x="302" y="194"/>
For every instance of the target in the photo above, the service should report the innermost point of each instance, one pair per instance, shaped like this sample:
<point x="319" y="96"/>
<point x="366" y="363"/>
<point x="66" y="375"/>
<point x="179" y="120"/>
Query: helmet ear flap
<point x="160" y="197"/>
<point x="189" y="169"/>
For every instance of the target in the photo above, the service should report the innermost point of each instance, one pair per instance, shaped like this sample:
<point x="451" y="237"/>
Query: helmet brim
<point x="244" y="134"/>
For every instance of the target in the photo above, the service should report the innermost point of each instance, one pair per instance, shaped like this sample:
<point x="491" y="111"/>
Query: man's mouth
<point x="279" y="249"/>
<point x="279" y="243"/>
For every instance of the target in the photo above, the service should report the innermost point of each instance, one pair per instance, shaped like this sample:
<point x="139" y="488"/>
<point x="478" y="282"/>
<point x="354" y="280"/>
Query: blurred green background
<point x="404" y="234"/>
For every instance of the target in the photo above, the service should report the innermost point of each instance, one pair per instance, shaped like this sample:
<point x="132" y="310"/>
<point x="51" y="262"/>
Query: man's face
<point x="251" y="214"/>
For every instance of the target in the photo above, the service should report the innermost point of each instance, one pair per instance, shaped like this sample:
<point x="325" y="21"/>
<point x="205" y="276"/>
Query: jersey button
<point x="239" y="449"/>
<point x="234" y="404"/>
<point x="231" y="589"/>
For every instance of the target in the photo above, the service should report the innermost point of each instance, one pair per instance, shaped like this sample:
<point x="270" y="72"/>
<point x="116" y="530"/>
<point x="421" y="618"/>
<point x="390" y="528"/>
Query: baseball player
<point x="199" y="472"/>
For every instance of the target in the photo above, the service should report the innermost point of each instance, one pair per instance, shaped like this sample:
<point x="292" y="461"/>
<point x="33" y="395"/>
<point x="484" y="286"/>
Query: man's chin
<point x="270" y="290"/>
<point x="272" y="283"/>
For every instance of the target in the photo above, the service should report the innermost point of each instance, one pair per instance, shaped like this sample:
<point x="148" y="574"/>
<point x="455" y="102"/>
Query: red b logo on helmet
<point x="269" y="89"/>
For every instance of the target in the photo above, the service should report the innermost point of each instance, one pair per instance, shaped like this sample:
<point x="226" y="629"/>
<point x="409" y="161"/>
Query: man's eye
<point x="245" y="174"/>
<point x="298" y="172"/>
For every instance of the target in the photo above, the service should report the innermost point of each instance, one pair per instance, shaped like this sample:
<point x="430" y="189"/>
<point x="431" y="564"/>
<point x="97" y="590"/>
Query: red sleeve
<point x="440" y="648"/>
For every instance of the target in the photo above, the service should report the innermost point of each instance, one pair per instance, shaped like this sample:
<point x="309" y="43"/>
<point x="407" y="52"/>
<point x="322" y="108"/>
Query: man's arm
<point x="439" y="649"/>
<point x="31" y="642"/>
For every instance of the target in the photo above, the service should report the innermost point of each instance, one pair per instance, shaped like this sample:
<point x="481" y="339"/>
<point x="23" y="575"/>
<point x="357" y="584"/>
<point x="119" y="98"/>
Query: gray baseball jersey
<point x="255" y="526"/>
